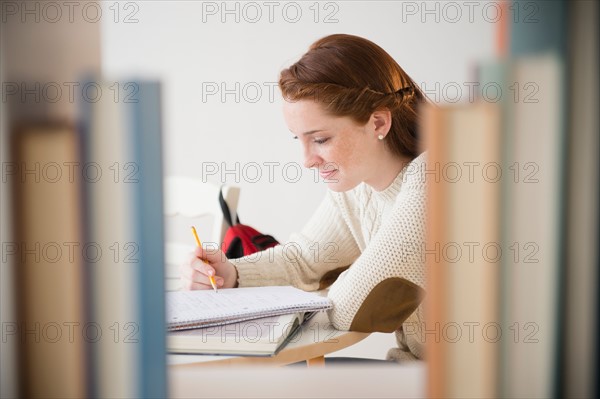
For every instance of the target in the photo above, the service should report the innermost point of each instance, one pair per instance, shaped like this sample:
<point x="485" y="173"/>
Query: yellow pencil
<point x="213" y="283"/>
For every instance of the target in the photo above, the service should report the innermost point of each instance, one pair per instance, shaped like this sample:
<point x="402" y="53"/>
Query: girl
<point x="354" y="110"/>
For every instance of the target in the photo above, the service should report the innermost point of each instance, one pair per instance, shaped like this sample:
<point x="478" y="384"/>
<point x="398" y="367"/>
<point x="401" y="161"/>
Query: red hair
<point x="352" y="76"/>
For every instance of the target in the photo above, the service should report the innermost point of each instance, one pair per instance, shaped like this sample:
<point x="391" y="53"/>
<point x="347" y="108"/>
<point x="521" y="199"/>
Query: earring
<point x="380" y="137"/>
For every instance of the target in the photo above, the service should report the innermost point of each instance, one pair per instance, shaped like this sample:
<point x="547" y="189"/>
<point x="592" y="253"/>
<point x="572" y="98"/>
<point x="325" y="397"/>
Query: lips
<point x="326" y="174"/>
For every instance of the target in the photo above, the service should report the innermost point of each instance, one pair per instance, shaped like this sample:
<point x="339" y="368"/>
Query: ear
<point x="381" y="122"/>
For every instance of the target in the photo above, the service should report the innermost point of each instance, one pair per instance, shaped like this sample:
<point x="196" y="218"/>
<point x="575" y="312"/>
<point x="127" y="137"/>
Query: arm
<point x="385" y="284"/>
<point x="324" y="245"/>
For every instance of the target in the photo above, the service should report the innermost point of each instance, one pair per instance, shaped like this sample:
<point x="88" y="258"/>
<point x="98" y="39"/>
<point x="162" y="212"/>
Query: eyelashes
<point x="320" y="141"/>
<point x="317" y="141"/>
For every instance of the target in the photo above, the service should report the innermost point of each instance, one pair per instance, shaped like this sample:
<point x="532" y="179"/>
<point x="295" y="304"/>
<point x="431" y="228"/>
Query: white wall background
<point x="192" y="46"/>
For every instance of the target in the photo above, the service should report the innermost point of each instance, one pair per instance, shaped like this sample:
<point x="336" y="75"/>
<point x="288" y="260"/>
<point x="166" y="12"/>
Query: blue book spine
<point x="146" y="126"/>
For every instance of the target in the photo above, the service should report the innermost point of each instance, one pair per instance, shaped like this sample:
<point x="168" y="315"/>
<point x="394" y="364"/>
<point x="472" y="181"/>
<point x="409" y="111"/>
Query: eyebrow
<point x="311" y="132"/>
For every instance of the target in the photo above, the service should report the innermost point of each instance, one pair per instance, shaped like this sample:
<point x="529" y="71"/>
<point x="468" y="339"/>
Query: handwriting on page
<point x="225" y="300"/>
<point x="210" y="304"/>
<point x="186" y="309"/>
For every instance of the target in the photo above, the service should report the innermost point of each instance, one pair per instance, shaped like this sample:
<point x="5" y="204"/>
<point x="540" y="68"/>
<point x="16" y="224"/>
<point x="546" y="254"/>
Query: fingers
<point x="199" y="272"/>
<point x="196" y="271"/>
<point x="202" y="267"/>
<point x="212" y="255"/>
<point x="200" y="282"/>
<point x="195" y="275"/>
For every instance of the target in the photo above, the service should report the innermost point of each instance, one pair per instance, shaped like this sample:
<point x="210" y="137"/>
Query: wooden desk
<point x="314" y="340"/>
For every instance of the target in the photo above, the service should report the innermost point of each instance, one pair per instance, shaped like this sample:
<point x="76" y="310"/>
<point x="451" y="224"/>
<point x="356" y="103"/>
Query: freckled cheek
<point x="346" y="156"/>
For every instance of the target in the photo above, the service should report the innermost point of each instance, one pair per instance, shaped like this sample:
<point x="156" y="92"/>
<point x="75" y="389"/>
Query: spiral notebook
<point x="197" y="309"/>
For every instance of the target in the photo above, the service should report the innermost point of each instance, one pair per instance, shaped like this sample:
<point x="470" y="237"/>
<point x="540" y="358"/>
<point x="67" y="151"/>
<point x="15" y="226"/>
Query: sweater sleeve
<point x="324" y="245"/>
<point x="385" y="285"/>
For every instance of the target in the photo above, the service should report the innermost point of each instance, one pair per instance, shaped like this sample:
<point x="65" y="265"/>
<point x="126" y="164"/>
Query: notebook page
<point x="184" y="307"/>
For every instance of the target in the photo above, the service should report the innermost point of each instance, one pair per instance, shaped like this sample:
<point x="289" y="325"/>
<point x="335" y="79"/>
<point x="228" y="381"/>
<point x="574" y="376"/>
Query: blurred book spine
<point x="580" y="322"/>
<point x="125" y="219"/>
<point x="462" y="251"/>
<point x="532" y="226"/>
<point x="146" y="125"/>
<point x="50" y="296"/>
<point x="546" y="297"/>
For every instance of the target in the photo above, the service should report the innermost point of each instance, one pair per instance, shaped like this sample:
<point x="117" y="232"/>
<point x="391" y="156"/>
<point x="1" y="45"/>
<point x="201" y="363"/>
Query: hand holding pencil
<point x="211" y="277"/>
<point x="207" y="269"/>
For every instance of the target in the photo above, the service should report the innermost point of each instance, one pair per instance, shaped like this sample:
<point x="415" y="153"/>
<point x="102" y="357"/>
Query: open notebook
<point x="196" y="309"/>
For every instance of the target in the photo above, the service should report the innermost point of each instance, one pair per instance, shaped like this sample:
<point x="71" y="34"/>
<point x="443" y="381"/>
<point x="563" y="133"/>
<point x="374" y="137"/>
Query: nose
<point x="311" y="159"/>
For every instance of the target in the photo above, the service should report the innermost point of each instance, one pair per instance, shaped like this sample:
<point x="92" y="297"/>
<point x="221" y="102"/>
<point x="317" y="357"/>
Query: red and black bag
<point x="241" y="240"/>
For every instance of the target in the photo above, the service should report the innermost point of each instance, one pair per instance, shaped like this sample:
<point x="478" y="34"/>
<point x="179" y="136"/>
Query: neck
<point x="386" y="170"/>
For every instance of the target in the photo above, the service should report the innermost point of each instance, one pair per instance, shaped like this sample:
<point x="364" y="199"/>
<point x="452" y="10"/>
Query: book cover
<point x="264" y="336"/>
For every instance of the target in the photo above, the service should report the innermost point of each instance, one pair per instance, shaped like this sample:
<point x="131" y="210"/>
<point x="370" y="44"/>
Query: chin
<point x="340" y="185"/>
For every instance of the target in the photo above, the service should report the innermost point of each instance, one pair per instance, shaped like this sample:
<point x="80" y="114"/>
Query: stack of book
<point x="243" y="321"/>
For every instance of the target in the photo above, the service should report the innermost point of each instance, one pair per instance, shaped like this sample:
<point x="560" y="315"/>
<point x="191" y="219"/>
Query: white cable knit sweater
<point x="380" y="234"/>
